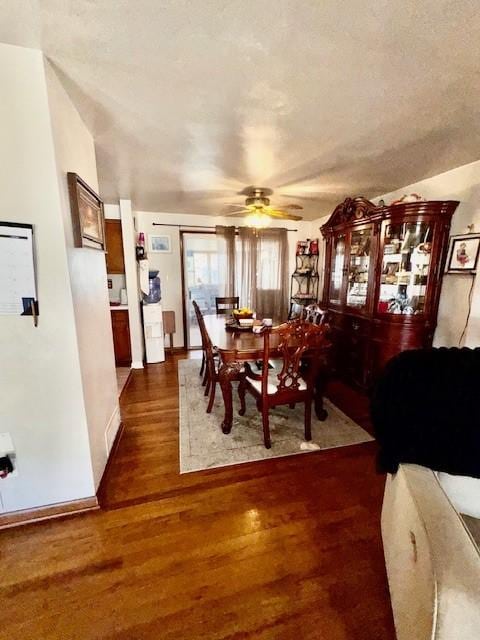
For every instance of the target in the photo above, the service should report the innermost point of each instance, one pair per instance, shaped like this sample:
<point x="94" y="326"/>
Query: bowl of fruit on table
<point x="244" y="316"/>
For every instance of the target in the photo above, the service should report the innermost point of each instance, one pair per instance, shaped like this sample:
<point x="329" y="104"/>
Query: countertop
<point x="119" y="307"/>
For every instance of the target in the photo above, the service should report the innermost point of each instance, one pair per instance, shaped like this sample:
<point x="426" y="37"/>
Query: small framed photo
<point x="391" y="268"/>
<point x="159" y="244"/>
<point x="463" y="253"/>
<point x="87" y="214"/>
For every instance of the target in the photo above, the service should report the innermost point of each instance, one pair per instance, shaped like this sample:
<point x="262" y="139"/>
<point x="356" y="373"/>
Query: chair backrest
<point x="207" y="345"/>
<point x="315" y="314"/>
<point x="299" y="342"/>
<point x="226" y="304"/>
<point x="296" y="311"/>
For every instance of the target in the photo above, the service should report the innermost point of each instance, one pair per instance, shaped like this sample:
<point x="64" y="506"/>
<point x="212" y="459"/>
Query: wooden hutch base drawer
<point x="407" y="336"/>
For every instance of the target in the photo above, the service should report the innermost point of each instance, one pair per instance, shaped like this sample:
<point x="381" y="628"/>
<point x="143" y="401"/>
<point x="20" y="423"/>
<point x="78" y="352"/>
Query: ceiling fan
<point x="257" y="209"/>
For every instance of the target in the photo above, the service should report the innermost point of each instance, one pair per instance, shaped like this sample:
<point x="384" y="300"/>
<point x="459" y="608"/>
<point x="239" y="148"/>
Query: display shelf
<point x="305" y="275"/>
<point x="305" y="278"/>
<point x="383" y="270"/>
<point x="303" y="297"/>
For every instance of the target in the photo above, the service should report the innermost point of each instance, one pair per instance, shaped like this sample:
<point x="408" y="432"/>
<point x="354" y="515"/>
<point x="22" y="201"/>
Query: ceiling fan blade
<point x="284" y="215"/>
<point x="296" y="207"/>
<point x="241" y="212"/>
<point x="235" y="207"/>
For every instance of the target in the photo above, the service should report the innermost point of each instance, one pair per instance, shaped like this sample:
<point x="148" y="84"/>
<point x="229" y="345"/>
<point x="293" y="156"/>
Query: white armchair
<point x="432" y="559"/>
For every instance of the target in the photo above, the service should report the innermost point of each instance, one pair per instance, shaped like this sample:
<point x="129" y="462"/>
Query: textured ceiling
<point x="190" y="101"/>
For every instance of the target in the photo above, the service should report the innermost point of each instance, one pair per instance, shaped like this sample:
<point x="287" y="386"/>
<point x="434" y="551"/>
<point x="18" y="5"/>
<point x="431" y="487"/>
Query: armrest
<point x="433" y="565"/>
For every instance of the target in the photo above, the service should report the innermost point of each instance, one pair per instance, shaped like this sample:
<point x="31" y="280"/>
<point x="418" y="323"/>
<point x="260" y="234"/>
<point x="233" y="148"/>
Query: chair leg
<point x="211" y="375"/>
<point x="320" y="410"/>
<point x="203" y="363"/>
<point x="241" y="395"/>
<point x="308" y="419"/>
<point x="292" y="405"/>
<point x="205" y="374"/>
<point x="213" y="384"/>
<point x="266" y="428"/>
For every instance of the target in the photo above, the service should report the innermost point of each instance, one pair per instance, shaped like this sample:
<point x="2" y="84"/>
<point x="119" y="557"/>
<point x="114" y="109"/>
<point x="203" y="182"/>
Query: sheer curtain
<point x="226" y="260"/>
<point x="246" y="267"/>
<point x="253" y="265"/>
<point x="272" y="274"/>
<point x="262" y="271"/>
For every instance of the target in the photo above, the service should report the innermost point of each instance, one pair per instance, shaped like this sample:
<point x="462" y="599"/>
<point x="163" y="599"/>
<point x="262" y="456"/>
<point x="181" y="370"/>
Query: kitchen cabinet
<point x="114" y="247"/>
<point x="121" y="337"/>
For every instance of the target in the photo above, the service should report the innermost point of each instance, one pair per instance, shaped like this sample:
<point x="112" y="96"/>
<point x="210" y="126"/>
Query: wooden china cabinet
<point x="383" y="274"/>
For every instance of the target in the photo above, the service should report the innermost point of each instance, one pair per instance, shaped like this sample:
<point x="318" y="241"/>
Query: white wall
<point x="169" y="264"/>
<point x="112" y="211"/>
<point x="75" y="151"/>
<point x="118" y="283"/>
<point x="41" y="399"/>
<point x="463" y="184"/>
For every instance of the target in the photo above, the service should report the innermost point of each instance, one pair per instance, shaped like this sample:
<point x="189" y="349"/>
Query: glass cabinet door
<point x="337" y="271"/>
<point x="405" y="268"/>
<point x="358" y="267"/>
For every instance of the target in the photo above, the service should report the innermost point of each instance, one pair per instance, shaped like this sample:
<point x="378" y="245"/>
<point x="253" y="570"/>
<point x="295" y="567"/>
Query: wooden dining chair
<point x="296" y="311"/>
<point x="209" y="359"/>
<point x="226" y="304"/>
<point x="301" y="346"/>
<point x="201" y="324"/>
<point x="315" y="314"/>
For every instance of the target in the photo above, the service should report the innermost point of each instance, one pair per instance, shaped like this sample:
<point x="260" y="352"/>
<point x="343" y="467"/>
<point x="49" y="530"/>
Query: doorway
<point x="200" y="279"/>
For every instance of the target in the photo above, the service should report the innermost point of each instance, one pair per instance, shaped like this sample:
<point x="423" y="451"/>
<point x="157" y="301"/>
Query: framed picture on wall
<point x="159" y="244"/>
<point x="463" y="253"/>
<point x="87" y="214"/>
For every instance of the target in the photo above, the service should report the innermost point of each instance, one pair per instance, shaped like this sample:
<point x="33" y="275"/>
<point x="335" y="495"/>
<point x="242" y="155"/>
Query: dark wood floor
<point x="279" y="549"/>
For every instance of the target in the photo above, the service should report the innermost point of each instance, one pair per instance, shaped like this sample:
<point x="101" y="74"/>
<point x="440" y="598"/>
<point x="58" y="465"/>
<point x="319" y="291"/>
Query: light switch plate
<point x="6" y="444"/>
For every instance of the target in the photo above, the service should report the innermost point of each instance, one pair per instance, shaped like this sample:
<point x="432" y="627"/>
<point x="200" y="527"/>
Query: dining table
<point x="235" y="347"/>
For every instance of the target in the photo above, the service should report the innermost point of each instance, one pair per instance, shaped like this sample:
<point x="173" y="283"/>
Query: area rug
<point x="204" y="446"/>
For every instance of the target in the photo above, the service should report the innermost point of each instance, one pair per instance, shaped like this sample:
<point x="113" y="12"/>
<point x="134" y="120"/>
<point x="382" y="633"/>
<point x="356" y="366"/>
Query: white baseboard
<point x="25" y="516"/>
<point x="112" y="428"/>
<point x="137" y="364"/>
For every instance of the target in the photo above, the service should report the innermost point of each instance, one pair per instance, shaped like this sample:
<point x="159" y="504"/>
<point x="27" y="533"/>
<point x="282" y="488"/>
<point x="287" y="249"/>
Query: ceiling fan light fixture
<point x="257" y="209"/>
<point x="258" y="220"/>
<point x="257" y="200"/>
